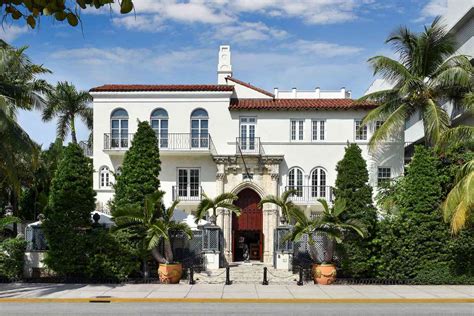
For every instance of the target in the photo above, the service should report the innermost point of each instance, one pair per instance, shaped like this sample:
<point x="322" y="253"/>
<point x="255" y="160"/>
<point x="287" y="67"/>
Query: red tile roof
<point x="299" y="104"/>
<point x="167" y="87"/>
<point x="248" y="85"/>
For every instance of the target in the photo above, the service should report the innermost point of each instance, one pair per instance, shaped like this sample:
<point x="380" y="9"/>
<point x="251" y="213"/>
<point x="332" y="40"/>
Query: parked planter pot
<point x="324" y="274"/>
<point x="170" y="273"/>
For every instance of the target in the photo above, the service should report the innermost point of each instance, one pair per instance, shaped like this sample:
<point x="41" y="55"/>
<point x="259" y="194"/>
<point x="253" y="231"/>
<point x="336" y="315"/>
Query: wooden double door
<point x="247" y="229"/>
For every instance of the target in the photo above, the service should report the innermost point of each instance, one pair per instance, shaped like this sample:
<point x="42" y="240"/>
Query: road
<point x="207" y="309"/>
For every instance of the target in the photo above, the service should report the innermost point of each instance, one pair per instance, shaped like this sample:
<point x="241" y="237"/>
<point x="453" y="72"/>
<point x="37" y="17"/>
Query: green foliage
<point x="11" y="257"/>
<point x="352" y="185"/>
<point x="224" y="200"/>
<point x="140" y="170"/>
<point x="416" y="243"/>
<point x="31" y="11"/>
<point x="67" y="222"/>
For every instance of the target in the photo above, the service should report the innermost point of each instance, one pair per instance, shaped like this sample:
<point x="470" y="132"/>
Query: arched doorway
<point x="247" y="229"/>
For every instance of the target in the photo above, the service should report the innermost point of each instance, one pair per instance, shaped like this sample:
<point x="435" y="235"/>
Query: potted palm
<point x="155" y="223"/>
<point x="333" y="226"/>
<point x="283" y="202"/>
<point x="224" y="200"/>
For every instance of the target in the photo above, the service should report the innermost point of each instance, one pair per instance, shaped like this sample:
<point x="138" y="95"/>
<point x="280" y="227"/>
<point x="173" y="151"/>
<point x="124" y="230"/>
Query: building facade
<point x="235" y="137"/>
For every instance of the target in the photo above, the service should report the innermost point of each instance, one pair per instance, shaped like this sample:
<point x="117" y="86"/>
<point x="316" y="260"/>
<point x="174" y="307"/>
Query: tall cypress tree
<point x="352" y="185"/>
<point x="140" y="169"/>
<point x="68" y="218"/>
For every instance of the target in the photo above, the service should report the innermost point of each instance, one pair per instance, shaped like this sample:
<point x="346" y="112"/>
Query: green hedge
<point x="12" y="252"/>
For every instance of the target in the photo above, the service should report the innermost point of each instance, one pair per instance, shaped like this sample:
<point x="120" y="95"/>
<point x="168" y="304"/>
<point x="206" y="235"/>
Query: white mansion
<point x="234" y="137"/>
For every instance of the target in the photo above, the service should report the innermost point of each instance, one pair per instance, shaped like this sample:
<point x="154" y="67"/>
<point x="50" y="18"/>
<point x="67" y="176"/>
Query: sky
<point x="274" y="43"/>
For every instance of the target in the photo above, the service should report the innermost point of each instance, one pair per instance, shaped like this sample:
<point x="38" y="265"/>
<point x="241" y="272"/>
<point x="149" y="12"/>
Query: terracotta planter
<point x="324" y="274"/>
<point x="170" y="273"/>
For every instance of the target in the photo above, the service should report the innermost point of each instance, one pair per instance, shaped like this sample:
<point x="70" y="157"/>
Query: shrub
<point x="12" y="251"/>
<point x="352" y="185"/>
<point x="140" y="169"/>
<point x="67" y="221"/>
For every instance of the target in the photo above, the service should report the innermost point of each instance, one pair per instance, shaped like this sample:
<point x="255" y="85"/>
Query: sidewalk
<point x="237" y="292"/>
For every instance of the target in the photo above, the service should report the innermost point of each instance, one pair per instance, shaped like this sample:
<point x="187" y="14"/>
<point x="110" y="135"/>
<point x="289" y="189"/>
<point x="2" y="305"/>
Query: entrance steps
<point x="246" y="273"/>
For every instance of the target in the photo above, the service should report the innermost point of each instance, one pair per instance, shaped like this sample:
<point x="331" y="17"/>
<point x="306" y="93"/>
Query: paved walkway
<point x="235" y="291"/>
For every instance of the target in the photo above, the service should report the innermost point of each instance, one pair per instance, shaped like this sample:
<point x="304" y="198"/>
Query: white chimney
<point x="343" y="92"/>
<point x="224" y="67"/>
<point x="275" y="92"/>
<point x="293" y="93"/>
<point x="318" y="93"/>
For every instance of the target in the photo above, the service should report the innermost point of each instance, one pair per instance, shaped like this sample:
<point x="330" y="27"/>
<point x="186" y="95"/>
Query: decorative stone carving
<point x="220" y="176"/>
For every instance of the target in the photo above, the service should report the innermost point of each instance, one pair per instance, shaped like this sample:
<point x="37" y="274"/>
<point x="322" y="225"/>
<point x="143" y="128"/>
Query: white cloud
<point x="432" y="9"/>
<point x="99" y="56"/>
<point x="9" y="33"/>
<point x="148" y="23"/>
<point x="326" y="49"/>
<point x="248" y="31"/>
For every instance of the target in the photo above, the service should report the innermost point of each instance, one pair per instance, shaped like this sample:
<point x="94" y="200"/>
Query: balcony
<point x="169" y="143"/>
<point x="249" y="146"/>
<point x="187" y="193"/>
<point x="310" y="194"/>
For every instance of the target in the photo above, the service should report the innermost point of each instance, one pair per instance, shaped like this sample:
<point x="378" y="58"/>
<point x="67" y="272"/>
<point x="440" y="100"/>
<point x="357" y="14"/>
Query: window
<point x="159" y="123"/>
<point x="360" y="131"/>
<point x="188" y="183"/>
<point x="104" y="177"/>
<point x="119" y="129"/>
<point x="318" y="183"/>
<point x="384" y="175"/>
<point x="296" y="129"/>
<point x="199" y="129"/>
<point x="295" y="181"/>
<point x="378" y="124"/>
<point x="318" y="129"/>
<point x="118" y="171"/>
<point x="247" y="133"/>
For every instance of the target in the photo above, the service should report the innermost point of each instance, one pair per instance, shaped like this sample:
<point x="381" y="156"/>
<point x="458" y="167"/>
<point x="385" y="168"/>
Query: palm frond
<point x="456" y="136"/>
<point x="436" y="121"/>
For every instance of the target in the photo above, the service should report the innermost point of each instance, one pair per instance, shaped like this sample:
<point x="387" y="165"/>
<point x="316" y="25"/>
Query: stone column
<point x="270" y="220"/>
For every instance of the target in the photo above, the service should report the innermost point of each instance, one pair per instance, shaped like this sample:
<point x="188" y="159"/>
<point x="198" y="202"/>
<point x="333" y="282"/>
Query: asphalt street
<point x="71" y="309"/>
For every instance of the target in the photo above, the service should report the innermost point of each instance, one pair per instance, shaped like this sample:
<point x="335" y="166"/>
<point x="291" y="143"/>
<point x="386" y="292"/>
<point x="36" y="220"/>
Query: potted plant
<point x="333" y="226"/>
<point x="155" y="223"/>
<point x="283" y="202"/>
<point x="224" y="200"/>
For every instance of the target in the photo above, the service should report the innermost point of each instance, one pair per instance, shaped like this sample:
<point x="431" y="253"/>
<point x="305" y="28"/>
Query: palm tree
<point x="283" y="202"/>
<point x="459" y="204"/>
<point x="67" y="103"/>
<point x="425" y="75"/>
<point x="224" y="200"/>
<point x="330" y="222"/>
<point x="152" y="224"/>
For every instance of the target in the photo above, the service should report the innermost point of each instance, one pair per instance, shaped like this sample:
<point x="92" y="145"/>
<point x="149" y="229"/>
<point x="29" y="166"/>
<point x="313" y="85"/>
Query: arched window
<point x="104" y="177"/>
<point x="199" y="129"/>
<point x="295" y="181"/>
<point x="159" y="123"/>
<point x="119" y="129"/>
<point x="318" y="183"/>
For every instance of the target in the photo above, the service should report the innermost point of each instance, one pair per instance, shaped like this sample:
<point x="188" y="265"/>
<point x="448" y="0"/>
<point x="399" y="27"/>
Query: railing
<point x="187" y="192"/>
<point x="166" y="142"/>
<point x="86" y="148"/>
<point x="249" y="145"/>
<point x="311" y="193"/>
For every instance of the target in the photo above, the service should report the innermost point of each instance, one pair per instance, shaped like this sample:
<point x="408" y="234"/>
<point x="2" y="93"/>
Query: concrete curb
<point x="236" y="300"/>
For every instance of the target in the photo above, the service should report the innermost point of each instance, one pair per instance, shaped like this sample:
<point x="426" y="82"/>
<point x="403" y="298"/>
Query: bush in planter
<point x="12" y="251"/>
<point x="352" y="185"/>
<point x="151" y="225"/>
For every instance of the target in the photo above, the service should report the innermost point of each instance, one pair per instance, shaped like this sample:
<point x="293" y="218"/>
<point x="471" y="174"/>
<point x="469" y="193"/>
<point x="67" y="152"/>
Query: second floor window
<point x="119" y="129"/>
<point x="189" y="185"/>
<point x="159" y="123"/>
<point x="318" y="183"/>
<point x="318" y="130"/>
<point x="295" y="181"/>
<point x="296" y="129"/>
<point x="360" y="131"/>
<point x="199" y="129"/>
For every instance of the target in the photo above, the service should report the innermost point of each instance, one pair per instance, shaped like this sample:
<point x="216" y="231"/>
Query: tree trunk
<point x="145" y="269"/>
<point x="168" y="251"/>
<point x="157" y="255"/>
<point x="73" y="131"/>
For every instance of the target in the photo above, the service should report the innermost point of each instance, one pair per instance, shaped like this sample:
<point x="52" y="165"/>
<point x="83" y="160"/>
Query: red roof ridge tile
<point x="250" y="86"/>
<point x="160" y="87"/>
<point x="299" y="104"/>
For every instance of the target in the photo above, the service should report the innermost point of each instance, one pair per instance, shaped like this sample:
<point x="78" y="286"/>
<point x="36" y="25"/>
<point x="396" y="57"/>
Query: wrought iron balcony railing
<point x="249" y="145"/>
<point x="166" y="142"/>
<point x="311" y="193"/>
<point x="185" y="192"/>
